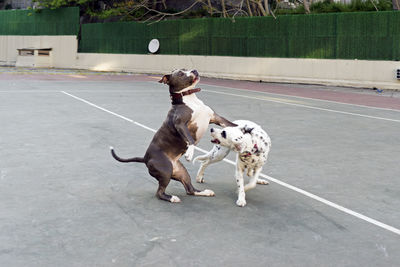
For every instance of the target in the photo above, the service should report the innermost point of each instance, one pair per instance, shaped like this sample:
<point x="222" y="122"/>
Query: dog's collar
<point x="177" y="97"/>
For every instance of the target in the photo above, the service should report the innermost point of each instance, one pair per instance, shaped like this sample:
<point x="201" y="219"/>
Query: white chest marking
<point x="201" y="116"/>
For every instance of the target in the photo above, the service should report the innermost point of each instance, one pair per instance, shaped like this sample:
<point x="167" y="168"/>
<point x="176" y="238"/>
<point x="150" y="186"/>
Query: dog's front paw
<point x="262" y="181"/>
<point x="189" y="153"/>
<point x="200" y="179"/>
<point x="241" y="202"/>
<point x="205" y="193"/>
<point x="208" y="193"/>
<point x="175" y="199"/>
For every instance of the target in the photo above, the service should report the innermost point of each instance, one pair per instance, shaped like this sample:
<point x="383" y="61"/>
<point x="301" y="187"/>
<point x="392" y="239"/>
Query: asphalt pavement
<point x="333" y="199"/>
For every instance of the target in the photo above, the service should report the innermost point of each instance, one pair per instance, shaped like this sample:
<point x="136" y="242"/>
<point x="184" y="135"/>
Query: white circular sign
<point x="154" y="45"/>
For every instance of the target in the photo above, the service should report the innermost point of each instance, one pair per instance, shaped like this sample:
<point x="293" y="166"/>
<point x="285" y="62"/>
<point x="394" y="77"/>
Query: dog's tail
<point x="135" y="159"/>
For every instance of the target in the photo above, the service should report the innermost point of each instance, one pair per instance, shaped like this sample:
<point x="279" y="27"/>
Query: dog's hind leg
<point x="181" y="174"/>
<point x="160" y="167"/>
<point x="253" y="180"/>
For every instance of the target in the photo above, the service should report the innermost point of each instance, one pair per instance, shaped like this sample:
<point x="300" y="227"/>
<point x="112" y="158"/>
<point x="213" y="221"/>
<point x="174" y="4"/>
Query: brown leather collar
<point x="177" y="97"/>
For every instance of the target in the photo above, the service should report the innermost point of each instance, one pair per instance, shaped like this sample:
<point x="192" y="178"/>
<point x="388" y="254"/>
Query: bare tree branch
<point x="396" y="4"/>
<point x="151" y="10"/>
<point x="164" y="3"/>
<point x="249" y="8"/>
<point x="260" y="7"/>
<point x="372" y="1"/>
<point x="266" y="7"/>
<point x="210" y="7"/>
<point x="223" y="8"/>
<point x="307" y="6"/>
<point x="239" y="9"/>
<point x="161" y="15"/>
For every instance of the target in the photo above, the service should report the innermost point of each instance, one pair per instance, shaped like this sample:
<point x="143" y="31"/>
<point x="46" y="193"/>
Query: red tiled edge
<point x="379" y="101"/>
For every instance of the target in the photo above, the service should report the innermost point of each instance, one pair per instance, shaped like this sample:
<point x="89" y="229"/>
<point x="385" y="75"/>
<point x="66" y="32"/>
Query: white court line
<point x="303" y="97"/>
<point x="291" y="187"/>
<point x="304" y="106"/>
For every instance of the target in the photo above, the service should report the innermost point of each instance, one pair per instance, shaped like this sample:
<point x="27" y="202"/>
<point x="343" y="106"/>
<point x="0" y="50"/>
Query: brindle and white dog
<point x="252" y="145"/>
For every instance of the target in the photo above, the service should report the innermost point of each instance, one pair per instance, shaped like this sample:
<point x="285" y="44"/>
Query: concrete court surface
<point x="65" y="202"/>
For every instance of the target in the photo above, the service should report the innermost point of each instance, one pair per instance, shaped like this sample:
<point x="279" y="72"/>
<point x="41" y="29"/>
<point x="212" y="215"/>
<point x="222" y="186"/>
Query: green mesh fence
<point x="364" y="35"/>
<point x="64" y="21"/>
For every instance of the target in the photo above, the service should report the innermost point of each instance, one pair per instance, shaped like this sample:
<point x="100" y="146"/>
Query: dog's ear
<point x="246" y="129"/>
<point x="165" y="79"/>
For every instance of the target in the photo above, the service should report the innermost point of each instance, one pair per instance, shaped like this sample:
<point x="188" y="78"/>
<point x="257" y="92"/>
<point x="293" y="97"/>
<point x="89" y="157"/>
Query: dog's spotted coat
<point x="252" y="145"/>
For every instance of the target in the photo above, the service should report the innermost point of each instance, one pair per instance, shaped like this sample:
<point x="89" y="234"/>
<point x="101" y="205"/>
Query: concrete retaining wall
<point x="354" y="73"/>
<point x="64" y="48"/>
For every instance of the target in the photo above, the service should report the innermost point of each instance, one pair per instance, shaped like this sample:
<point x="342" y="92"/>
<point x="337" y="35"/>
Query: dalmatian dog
<point x="252" y="145"/>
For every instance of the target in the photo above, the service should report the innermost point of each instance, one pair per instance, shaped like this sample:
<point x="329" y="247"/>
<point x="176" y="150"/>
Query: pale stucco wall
<point x="64" y="48"/>
<point x="354" y="73"/>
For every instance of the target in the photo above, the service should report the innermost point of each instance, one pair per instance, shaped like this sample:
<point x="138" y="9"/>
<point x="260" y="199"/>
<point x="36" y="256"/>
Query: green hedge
<point x="64" y="21"/>
<point x="364" y="35"/>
